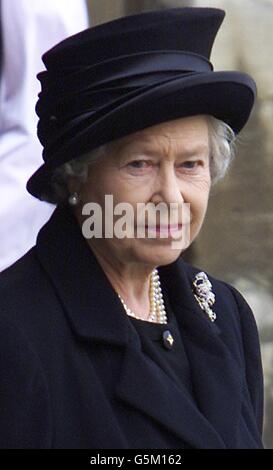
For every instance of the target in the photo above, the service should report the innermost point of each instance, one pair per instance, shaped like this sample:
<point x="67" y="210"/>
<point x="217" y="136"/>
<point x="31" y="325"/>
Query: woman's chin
<point x="158" y="256"/>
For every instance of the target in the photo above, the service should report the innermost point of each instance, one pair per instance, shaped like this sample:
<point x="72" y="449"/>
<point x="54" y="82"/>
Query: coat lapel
<point x="216" y="373"/>
<point x="96" y="314"/>
<point x="156" y="395"/>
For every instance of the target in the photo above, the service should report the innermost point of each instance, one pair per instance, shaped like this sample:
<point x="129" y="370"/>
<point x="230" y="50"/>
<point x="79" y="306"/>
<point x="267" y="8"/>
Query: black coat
<point x="72" y="374"/>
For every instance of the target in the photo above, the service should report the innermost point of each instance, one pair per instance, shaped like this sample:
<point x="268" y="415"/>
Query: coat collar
<point x="81" y="284"/>
<point x="96" y="314"/>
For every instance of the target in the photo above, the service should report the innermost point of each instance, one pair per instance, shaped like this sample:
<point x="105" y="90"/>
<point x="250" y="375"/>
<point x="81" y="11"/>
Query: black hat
<point x="128" y="74"/>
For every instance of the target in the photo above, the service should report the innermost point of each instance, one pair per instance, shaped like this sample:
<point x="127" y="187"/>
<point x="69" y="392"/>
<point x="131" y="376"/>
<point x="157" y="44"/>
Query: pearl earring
<point x="74" y="199"/>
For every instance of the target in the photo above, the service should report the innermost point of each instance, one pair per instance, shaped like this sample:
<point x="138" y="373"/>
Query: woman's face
<point x="166" y="163"/>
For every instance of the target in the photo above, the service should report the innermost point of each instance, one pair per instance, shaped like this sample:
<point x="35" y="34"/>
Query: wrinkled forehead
<point x="189" y="134"/>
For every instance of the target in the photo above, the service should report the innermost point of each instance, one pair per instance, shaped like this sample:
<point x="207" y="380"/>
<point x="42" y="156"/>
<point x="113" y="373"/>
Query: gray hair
<point x="222" y="152"/>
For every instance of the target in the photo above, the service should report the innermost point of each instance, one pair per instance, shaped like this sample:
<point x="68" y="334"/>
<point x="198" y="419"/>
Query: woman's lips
<point x="164" y="229"/>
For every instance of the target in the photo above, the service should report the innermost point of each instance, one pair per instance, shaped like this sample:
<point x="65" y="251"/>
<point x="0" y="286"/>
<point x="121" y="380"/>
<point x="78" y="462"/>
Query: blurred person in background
<point x="28" y="29"/>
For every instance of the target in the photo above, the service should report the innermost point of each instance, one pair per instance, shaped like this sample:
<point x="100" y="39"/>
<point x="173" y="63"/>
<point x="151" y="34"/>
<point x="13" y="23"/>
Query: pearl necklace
<point x="157" y="309"/>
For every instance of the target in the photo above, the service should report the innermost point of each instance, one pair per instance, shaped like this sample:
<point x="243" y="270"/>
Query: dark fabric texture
<point x="128" y="74"/>
<point x="173" y="361"/>
<point x="73" y="373"/>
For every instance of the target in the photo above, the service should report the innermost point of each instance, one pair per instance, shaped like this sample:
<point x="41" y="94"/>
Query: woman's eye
<point x="189" y="164"/>
<point x="138" y="164"/>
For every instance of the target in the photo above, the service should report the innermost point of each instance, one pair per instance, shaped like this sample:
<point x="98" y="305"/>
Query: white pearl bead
<point x="157" y="308"/>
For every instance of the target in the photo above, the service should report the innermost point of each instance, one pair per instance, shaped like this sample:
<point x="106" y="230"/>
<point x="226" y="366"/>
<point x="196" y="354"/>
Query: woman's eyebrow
<point x="152" y="149"/>
<point x="198" y="150"/>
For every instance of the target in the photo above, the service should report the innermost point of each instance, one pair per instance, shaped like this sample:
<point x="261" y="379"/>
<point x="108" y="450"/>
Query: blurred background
<point x="236" y="242"/>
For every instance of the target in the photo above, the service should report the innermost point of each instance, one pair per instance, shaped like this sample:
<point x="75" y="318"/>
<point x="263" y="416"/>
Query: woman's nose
<point x="167" y="188"/>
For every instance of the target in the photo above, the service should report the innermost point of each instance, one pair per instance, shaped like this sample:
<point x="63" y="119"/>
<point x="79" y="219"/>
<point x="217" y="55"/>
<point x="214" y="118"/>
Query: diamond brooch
<point x="203" y="294"/>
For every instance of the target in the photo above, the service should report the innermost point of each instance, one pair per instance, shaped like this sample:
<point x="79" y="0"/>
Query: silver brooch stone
<point x="204" y="295"/>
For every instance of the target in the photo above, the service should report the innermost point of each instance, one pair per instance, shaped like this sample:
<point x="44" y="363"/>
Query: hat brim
<point x="228" y="96"/>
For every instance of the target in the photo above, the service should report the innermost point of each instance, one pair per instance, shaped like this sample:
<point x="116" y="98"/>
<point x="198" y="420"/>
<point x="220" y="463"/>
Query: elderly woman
<point x="113" y="341"/>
